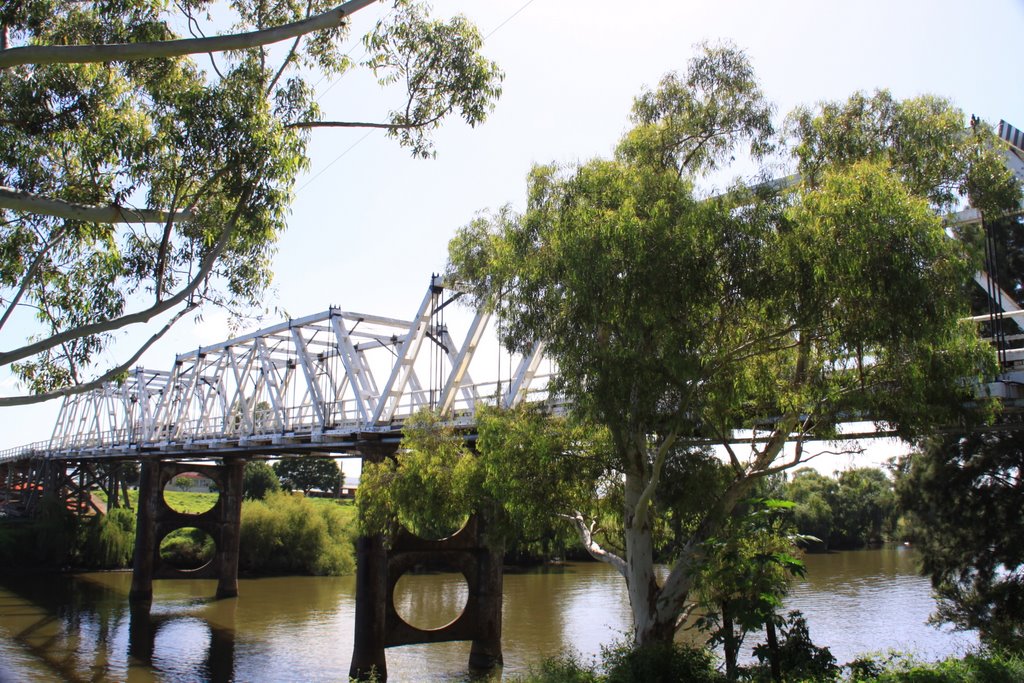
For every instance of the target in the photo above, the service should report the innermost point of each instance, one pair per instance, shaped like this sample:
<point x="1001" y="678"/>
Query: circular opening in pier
<point x="435" y="530"/>
<point x="191" y="493"/>
<point x="187" y="549"/>
<point x="430" y="600"/>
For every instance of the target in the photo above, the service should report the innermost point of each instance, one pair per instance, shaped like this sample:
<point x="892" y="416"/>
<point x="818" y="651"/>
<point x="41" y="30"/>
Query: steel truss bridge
<point x="317" y="384"/>
<point x="333" y="382"/>
<point x="330" y="381"/>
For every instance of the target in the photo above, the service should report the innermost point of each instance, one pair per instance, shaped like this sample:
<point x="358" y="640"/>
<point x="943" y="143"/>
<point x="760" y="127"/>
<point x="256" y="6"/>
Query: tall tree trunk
<point x="730" y="643"/>
<point x="652" y="623"/>
<point x="773" y="649"/>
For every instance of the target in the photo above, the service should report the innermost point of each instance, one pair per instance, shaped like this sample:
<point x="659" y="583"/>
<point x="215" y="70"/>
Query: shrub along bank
<point x="284" y="534"/>
<point x="58" y="539"/>
<point x="661" y="664"/>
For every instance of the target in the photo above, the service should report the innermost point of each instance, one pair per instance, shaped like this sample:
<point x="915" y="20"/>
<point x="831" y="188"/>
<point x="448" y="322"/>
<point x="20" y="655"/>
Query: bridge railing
<point x="22" y="452"/>
<point x="201" y="430"/>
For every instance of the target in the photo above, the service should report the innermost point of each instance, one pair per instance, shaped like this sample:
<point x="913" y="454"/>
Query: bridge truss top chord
<point x="318" y="383"/>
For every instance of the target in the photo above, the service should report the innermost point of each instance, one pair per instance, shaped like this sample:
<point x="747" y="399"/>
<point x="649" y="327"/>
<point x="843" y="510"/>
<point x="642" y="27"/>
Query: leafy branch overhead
<point x="145" y="174"/>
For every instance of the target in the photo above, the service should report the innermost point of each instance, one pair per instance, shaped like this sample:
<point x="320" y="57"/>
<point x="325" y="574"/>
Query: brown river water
<point x="80" y="628"/>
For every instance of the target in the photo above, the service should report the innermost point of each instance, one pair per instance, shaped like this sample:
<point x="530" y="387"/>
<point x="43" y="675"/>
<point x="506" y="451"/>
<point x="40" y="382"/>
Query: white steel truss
<point x="308" y="383"/>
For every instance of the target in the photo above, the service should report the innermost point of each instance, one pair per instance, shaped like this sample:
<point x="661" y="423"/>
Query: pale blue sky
<point x="373" y="224"/>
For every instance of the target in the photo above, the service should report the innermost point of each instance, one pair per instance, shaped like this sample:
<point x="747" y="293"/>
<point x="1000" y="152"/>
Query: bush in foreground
<point x="286" y="534"/>
<point x="622" y="664"/>
<point x="982" y="667"/>
<point x="656" y="663"/>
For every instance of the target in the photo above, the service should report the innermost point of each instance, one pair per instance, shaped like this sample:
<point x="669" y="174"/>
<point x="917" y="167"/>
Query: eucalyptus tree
<point x="676" y="318"/>
<point x="144" y="174"/>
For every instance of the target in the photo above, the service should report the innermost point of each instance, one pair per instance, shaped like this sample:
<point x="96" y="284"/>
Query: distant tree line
<point x="304" y="474"/>
<point x="854" y="508"/>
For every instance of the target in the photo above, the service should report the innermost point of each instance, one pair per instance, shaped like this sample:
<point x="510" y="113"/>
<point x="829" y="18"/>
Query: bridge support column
<point x="144" y="561"/>
<point x="371" y="593"/>
<point x="230" y="527"/>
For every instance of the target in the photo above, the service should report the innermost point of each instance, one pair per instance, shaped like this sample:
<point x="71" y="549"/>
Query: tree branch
<point x="361" y="124"/>
<point x="8" y="401"/>
<point x="81" y="54"/>
<point x="289" y="57"/>
<point x="586" y="533"/>
<point x="16" y="200"/>
<point x="161" y="261"/>
<point x="800" y="459"/>
<point x="30" y="275"/>
<point x="142" y="316"/>
<point x="680" y="578"/>
<point x="640" y="510"/>
<point x="733" y="458"/>
<point x="284" y="65"/>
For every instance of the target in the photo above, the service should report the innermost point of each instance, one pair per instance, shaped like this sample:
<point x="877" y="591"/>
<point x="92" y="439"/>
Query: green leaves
<point x="783" y="308"/>
<point x="873" y="248"/>
<point x="309" y="472"/>
<point x="528" y="470"/>
<point x="440" y="67"/>
<point x="923" y="139"/>
<point x="963" y="493"/>
<point x="430" y="486"/>
<point x="212" y="150"/>
<point x="538" y="469"/>
<point x="692" y="124"/>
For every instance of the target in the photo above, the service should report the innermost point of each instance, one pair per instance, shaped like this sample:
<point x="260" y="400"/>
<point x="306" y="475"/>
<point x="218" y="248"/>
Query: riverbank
<point x="695" y="666"/>
<point x="300" y="627"/>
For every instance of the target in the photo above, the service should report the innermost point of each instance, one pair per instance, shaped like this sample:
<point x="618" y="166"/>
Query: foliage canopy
<point x="309" y="472"/>
<point x="778" y="307"/>
<point x="964" y="495"/>
<point x="139" y="183"/>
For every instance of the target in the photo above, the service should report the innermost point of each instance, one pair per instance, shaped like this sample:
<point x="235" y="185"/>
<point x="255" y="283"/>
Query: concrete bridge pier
<point x="369" y="638"/>
<point x="155" y="519"/>
<point x="379" y="626"/>
<point x="485" y="652"/>
<point x="143" y="562"/>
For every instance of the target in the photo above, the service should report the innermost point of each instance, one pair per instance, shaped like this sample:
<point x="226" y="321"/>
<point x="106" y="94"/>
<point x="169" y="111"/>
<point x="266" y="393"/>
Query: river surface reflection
<point x="300" y="628"/>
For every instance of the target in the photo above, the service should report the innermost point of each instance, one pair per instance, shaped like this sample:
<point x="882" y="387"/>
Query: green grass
<point x="979" y="667"/>
<point x="182" y="501"/>
<point x="193" y="503"/>
<point x="347" y="507"/>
